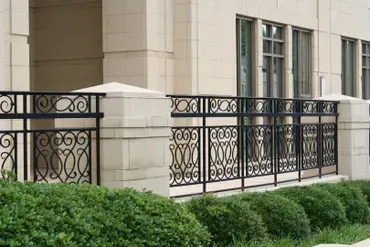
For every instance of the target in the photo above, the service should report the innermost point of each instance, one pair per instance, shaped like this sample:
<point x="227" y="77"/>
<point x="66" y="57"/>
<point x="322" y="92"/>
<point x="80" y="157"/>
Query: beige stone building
<point x="281" y="48"/>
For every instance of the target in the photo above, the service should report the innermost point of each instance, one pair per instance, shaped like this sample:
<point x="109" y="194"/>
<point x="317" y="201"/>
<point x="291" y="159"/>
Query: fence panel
<point x="233" y="143"/>
<point x="50" y="136"/>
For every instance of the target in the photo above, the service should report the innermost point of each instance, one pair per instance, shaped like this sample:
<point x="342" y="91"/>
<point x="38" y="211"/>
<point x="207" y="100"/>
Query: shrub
<point x="282" y="217"/>
<point x="227" y="219"/>
<point x="321" y="207"/>
<point x="84" y="215"/>
<point x="354" y="202"/>
<point x="363" y="185"/>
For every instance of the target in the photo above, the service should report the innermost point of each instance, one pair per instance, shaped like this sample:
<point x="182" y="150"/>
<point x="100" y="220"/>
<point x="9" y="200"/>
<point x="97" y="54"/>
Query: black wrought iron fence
<point x="222" y="139"/>
<point x="35" y="146"/>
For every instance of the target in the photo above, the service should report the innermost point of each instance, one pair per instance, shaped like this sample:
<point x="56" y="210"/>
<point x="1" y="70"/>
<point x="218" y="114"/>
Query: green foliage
<point x="282" y="217"/>
<point x="323" y="209"/>
<point x="363" y="185"/>
<point x="348" y="234"/>
<point x="8" y="175"/>
<point x="355" y="203"/>
<point x="227" y="219"/>
<point x="84" y="215"/>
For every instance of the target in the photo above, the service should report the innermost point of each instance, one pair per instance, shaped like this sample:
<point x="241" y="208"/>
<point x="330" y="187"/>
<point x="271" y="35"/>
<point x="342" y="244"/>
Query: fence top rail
<point x="184" y="96"/>
<point x="52" y="93"/>
<point x="219" y="106"/>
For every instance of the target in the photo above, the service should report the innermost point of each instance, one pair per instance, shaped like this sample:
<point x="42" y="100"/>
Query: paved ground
<point x="365" y="243"/>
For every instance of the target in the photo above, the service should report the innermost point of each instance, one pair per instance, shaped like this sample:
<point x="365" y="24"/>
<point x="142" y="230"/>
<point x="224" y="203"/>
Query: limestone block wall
<point x="66" y="44"/>
<point x="205" y="40"/>
<point x="138" y="43"/>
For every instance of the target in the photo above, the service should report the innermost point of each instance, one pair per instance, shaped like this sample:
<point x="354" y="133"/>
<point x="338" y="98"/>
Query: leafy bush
<point x="85" y="215"/>
<point x="227" y="219"/>
<point x="354" y="202"/>
<point x="363" y="185"/>
<point x="321" y="207"/>
<point x="282" y="217"/>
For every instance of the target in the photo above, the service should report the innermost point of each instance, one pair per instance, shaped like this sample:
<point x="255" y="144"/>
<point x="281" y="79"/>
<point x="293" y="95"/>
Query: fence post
<point x="353" y="136"/>
<point x="134" y="138"/>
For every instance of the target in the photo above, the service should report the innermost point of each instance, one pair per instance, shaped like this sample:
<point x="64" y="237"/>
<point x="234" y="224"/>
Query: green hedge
<point x="85" y="215"/>
<point x="323" y="209"/>
<point x="355" y="203"/>
<point x="283" y="217"/>
<point x="363" y="185"/>
<point x="227" y="219"/>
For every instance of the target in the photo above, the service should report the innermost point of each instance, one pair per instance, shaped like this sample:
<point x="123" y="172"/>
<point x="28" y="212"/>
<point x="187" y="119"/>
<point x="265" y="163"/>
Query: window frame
<point x="365" y="77"/>
<point x="272" y="55"/>
<point x="239" y="19"/>
<point x="344" y="68"/>
<point x="301" y="94"/>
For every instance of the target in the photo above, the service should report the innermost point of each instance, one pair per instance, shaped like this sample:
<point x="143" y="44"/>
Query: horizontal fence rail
<point x="218" y="141"/>
<point x="34" y="148"/>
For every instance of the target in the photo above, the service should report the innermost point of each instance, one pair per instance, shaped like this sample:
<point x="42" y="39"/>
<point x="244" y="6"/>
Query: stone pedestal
<point x="135" y="134"/>
<point x="353" y="136"/>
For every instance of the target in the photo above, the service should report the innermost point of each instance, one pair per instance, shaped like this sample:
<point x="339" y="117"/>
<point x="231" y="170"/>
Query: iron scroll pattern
<point x="62" y="156"/>
<point x="238" y="138"/>
<point x="8" y="154"/>
<point x="41" y="143"/>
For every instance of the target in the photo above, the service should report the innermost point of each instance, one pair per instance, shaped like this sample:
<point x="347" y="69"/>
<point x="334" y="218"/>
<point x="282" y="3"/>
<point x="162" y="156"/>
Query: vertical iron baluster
<point x="336" y="139"/>
<point x="16" y="155"/>
<point x="204" y="145"/>
<point x="34" y="143"/>
<point x="34" y="104"/>
<point x="34" y="148"/>
<point x="97" y="139"/>
<point x="299" y="138"/>
<point x="200" y="177"/>
<point x="199" y="110"/>
<point x="242" y="151"/>
<point x="25" y="138"/>
<point x="319" y="140"/>
<point x="90" y="154"/>
<point x="274" y="130"/>
<point x="89" y="103"/>
<point x="16" y="138"/>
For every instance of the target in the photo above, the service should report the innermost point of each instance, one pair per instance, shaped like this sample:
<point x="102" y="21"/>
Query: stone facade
<point x="172" y="46"/>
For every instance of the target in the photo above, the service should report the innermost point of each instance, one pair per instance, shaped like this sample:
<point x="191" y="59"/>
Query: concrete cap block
<point x="340" y="97"/>
<point x="118" y="90"/>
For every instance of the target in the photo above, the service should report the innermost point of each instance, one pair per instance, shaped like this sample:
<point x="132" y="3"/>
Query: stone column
<point x="353" y="136"/>
<point x="14" y="71"/>
<point x="135" y="134"/>
<point x="138" y="43"/>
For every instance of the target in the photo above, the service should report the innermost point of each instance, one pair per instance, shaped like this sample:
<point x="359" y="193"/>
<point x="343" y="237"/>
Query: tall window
<point x="348" y="67"/>
<point x="244" y="57"/>
<point x="273" y="50"/>
<point x="244" y="71"/>
<point x="301" y="63"/>
<point x="366" y="70"/>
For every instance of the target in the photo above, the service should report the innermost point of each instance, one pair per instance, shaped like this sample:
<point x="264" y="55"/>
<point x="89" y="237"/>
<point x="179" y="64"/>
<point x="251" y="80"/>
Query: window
<point x="301" y="63"/>
<point x="244" y="70"/>
<point x="366" y="70"/>
<point x="348" y="67"/>
<point x="244" y="57"/>
<point x="273" y="50"/>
